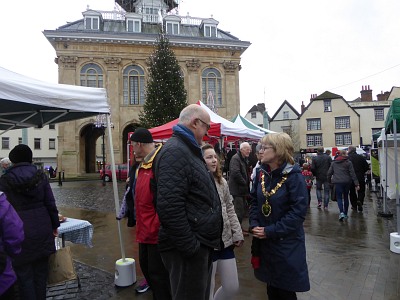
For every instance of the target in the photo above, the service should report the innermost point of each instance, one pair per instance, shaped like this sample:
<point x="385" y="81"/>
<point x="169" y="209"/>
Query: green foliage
<point x="165" y="90"/>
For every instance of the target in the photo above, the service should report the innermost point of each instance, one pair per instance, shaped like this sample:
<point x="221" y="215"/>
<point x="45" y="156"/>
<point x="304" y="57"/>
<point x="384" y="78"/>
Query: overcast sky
<point x="298" y="48"/>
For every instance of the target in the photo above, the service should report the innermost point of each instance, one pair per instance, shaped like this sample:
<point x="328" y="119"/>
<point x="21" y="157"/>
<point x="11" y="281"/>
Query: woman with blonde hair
<point x="277" y="212"/>
<point x="224" y="261"/>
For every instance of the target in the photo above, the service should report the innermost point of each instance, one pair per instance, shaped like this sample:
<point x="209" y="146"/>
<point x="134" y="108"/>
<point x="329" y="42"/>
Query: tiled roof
<point x="327" y="95"/>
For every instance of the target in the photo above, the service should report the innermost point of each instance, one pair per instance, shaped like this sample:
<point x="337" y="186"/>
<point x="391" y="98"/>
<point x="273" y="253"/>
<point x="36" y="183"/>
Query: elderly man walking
<point x="239" y="183"/>
<point x="319" y="167"/>
<point x="188" y="207"/>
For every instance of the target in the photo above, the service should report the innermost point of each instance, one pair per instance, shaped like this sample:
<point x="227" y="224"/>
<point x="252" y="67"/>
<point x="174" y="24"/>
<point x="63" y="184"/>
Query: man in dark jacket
<point x="239" y="183"/>
<point x="188" y="207"/>
<point x="360" y="166"/>
<point x="319" y="167"/>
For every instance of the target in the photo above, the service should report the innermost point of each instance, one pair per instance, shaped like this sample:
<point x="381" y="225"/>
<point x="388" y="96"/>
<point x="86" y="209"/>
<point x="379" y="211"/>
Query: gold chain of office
<point x="266" y="207"/>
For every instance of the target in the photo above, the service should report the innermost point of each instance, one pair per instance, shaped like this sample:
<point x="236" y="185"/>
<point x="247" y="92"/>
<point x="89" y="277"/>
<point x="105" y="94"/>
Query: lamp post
<point x="101" y="123"/>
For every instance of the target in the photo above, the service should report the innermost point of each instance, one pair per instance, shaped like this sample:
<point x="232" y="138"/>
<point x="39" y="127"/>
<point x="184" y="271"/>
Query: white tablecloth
<point x="76" y="231"/>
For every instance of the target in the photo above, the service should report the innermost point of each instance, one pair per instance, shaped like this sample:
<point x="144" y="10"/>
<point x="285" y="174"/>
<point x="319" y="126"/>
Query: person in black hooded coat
<point x="29" y="192"/>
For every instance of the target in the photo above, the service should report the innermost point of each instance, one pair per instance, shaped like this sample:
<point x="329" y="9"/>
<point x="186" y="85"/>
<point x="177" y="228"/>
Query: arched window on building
<point x="134" y="85"/>
<point x="211" y="86"/>
<point x="92" y="76"/>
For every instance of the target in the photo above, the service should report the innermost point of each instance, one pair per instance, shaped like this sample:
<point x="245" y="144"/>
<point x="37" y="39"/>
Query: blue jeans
<point x="342" y="196"/>
<point x="326" y="192"/>
<point x="32" y="279"/>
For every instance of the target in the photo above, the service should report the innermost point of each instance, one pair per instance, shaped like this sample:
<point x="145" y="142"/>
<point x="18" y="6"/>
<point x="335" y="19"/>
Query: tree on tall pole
<point x="165" y="90"/>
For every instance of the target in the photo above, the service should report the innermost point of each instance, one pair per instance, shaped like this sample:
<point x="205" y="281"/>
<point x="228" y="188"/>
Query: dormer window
<point x="92" y="20"/>
<point x="172" y="24"/>
<point x="209" y="28"/>
<point x="172" y="28"/>
<point x="210" y="31"/>
<point x="133" y="22"/>
<point x="133" y="25"/>
<point x="92" y="23"/>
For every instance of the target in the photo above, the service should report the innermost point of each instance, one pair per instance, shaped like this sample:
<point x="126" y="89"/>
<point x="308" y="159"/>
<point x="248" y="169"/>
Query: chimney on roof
<point x="312" y="97"/>
<point x="387" y="95"/>
<point x="383" y="96"/>
<point x="261" y="107"/>
<point x="366" y="93"/>
<point x="303" y="107"/>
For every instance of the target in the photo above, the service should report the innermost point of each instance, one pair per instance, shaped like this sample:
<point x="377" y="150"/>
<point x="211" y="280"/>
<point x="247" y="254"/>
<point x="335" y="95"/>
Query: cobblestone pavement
<point x="94" y="284"/>
<point x="346" y="260"/>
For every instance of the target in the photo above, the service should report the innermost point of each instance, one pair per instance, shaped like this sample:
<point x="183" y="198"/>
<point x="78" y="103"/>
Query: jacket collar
<point x="188" y="137"/>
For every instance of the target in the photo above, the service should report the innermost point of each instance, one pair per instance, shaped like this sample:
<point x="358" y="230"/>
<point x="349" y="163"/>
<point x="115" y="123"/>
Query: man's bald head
<point x="191" y="112"/>
<point x="196" y="119"/>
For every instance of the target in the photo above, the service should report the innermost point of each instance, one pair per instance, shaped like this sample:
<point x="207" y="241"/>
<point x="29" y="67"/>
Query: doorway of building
<point x="91" y="148"/>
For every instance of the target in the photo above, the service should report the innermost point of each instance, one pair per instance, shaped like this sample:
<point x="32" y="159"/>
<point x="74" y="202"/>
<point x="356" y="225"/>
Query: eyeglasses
<point x="207" y="125"/>
<point x="263" y="148"/>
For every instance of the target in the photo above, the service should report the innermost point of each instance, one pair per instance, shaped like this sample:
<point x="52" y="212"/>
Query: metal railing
<point x="148" y="18"/>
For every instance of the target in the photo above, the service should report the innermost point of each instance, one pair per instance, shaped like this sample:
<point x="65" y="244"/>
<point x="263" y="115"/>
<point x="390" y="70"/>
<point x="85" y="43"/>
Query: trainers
<point x="360" y="208"/>
<point x="341" y="216"/>
<point x="346" y="216"/>
<point x="143" y="287"/>
<point x="326" y="207"/>
<point x="319" y="204"/>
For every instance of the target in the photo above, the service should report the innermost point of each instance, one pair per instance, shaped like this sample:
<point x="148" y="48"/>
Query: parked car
<point x="120" y="169"/>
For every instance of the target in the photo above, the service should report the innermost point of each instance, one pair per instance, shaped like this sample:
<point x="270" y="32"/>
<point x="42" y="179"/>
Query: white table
<point x="76" y="231"/>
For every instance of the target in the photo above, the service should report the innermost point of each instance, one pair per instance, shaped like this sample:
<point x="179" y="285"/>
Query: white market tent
<point x="239" y="120"/>
<point x="229" y="128"/>
<point x="27" y="102"/>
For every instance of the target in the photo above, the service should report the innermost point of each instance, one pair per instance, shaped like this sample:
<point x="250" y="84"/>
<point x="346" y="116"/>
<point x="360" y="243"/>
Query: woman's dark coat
<point x="29" y="192"/>
<point x="283" y="254"/>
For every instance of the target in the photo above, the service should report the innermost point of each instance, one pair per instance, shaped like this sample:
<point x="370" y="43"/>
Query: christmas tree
<point x="165" y="91"/>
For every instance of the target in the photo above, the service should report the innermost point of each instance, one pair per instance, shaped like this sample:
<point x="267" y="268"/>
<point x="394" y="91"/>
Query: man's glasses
<point x="207" y="125"/>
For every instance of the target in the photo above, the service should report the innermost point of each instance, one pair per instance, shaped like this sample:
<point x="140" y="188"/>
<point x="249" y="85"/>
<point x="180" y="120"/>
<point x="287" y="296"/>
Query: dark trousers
<point x="32" y="279"/>
<point x="239" y="202"/>
<point x="189" y="277"/>
<point x="356" y="196"/>
<point x="154" y="271"/>
<point x="309" y="196"/>
<point x="279" y="294"/>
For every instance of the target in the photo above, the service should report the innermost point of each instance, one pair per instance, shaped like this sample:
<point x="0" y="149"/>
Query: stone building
<point x="110" y="50"/>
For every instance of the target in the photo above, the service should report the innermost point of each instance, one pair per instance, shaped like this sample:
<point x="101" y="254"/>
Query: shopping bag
<point x="61" y="267"/>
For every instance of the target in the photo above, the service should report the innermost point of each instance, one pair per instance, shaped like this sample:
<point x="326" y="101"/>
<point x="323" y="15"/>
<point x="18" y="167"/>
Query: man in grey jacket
<point x="239" y="182"/>
<point x="319" y="167"/>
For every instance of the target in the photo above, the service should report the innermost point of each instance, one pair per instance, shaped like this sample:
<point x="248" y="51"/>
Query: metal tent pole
<point x="115" y="187"/>
<point x="396" y="173"/>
